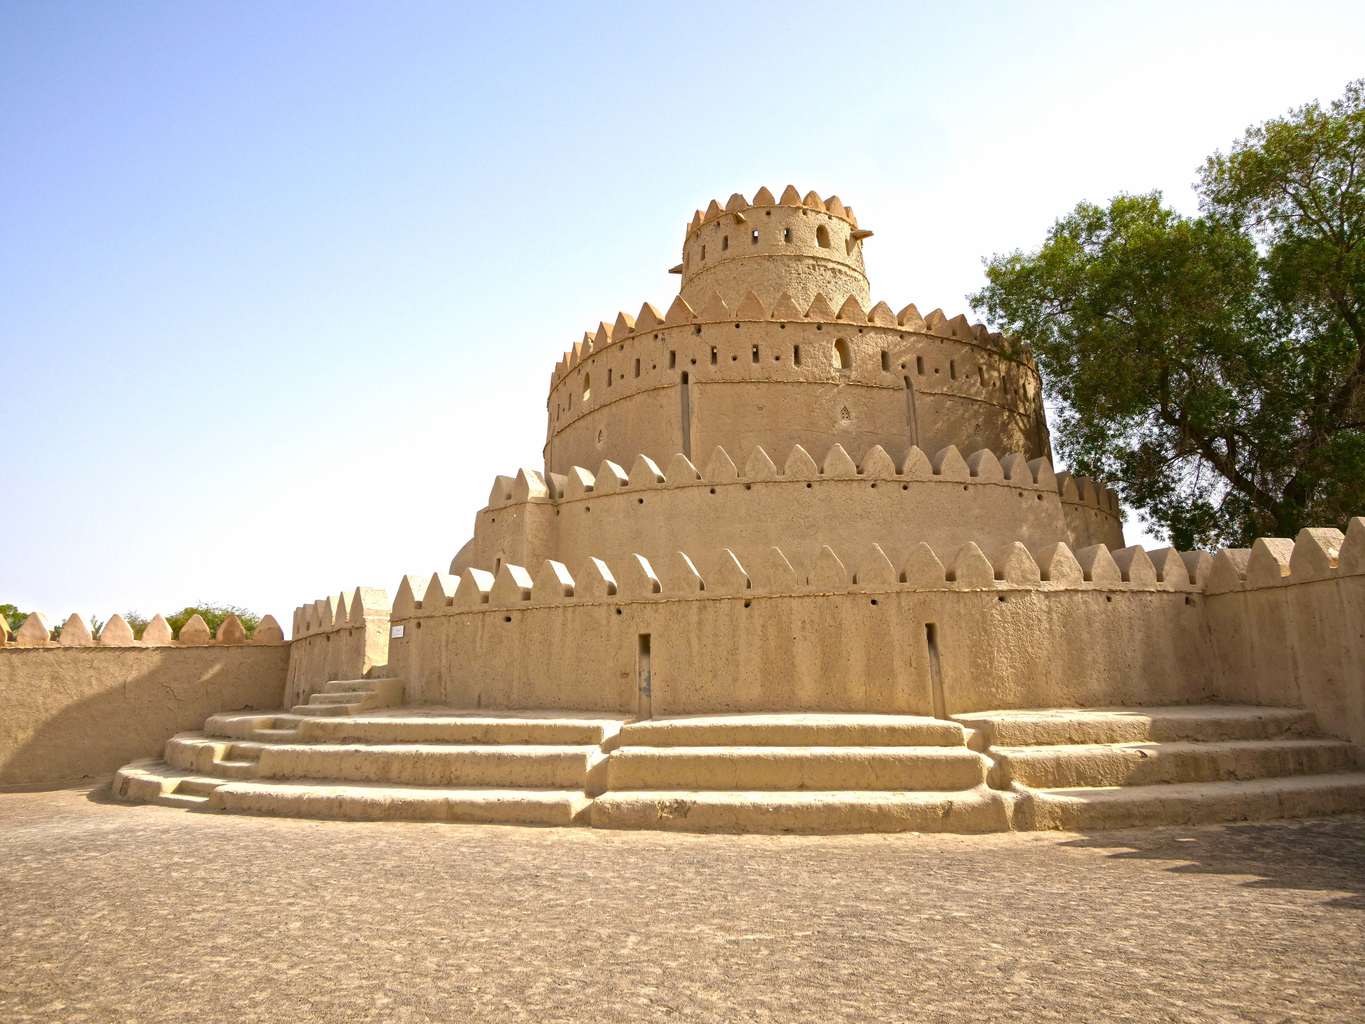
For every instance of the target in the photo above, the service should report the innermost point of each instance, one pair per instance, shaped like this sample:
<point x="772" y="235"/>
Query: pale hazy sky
<point x="282" y="284"/>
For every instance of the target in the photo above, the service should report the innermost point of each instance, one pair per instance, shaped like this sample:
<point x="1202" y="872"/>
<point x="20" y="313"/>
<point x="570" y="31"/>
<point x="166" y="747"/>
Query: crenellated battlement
<point x="342" y="637"/>
<point x="777" y="375"/>
<point x="720" y="573"/>
<point x="763" y="199"/>
<point x="720" y="467"/>
<point x="820" y="310"/>
<point x="75" y="632"/>
<point x="1315" y="555"/>
<point x="795" y="245"/>
<point x="910" y="496"/>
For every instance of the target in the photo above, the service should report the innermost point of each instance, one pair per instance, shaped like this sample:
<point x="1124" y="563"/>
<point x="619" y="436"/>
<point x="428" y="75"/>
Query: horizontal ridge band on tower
<point x="820" y="310"/>
<point x="530" y="485"/>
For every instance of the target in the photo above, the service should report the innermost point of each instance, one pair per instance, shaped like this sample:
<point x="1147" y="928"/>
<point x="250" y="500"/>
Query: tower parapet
<point x="802" y="246"/>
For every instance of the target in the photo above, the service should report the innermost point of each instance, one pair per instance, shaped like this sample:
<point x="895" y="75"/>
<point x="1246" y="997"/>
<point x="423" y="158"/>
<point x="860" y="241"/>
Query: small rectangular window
<point x="981" y="372"/>
<point x="713" y="355"/>
<point x="886" y="361"/>
<point x="919" y="365"/>
<point x="952" y="369"/>
<point x="637" y="367"/>
<point x="786" y="234"/>
<point x="754" y="236"/>
<point x="755" y="353"/>
<point x="796" y="354"/>
<point x="608" y="376"/>
<point x="672" y="359"/>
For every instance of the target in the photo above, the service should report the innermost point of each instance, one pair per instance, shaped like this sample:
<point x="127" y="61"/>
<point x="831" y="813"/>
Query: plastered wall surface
<point x="719" y="378"/>
<point x="788" y="501"/>
<point x="762" y="634"/>
<point x="1287" y="625"/>
<point x="70" y="713"/>
<point x="342" y="637"/>
<point x="798" y="245"/>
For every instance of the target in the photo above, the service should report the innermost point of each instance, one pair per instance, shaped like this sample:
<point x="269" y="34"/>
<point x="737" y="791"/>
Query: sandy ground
<point x="149" y="914"/>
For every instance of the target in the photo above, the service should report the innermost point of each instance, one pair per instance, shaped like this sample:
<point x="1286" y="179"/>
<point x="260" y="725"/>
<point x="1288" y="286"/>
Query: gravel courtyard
<point x="149" y="914"/>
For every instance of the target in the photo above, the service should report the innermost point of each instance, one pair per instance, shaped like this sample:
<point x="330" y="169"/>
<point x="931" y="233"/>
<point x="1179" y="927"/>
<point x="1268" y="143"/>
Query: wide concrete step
<point x="1137" y="764"/>
<point x="361" y="802"/>
<point x="187" y="801"/>
<point x="152" y="780"/>
<point x="340" y="697"/>
<point x="1196" y="723"/>
<point x="235" y="769"/>
<point x="243" y="724"/>
<point x="795" y="768"/>
<point x="424" y="764"/>
<point x="1196" y="803"/>
<point x="971" y="811"/>
<point x="348" y="686"/>
<point x="420" y="725"/>
<point x="311" y="710"/>
<point x="377" y="693"/>
<point x="791" y="730"/>
<point x="275" y="735"/>
<point x="197" y="786"/>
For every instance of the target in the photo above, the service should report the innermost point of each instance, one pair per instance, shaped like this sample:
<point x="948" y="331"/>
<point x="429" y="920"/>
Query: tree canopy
<point x="1213" y="366"/>
<point x="213" y="614"/>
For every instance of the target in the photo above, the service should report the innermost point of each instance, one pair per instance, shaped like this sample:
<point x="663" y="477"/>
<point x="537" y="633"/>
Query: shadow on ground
<point x="1317" y="855"/>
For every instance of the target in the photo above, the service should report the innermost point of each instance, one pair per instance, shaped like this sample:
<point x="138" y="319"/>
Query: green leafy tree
<point x="1214" y="365"/>
<point x="137" y="622"/>
<point x="214" y="614"/>
<point x="13" y="616"/>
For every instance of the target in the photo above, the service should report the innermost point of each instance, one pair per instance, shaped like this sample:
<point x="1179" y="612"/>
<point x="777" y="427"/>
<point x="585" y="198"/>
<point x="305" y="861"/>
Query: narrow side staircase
<point x="368" y="763"/>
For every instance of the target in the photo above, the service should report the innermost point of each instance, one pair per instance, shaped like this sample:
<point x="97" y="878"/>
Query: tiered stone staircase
<point x="1122" y="767"/>
<point x="343" y="755"/>
<point x="798" y="773"/>
<point x="371" y="764"/>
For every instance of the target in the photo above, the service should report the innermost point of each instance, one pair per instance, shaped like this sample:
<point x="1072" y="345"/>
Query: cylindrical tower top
<point x="799" y="245"/>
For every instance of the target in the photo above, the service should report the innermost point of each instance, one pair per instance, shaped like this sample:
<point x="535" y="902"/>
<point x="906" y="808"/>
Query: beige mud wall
<point x="780" y="499"/>
<point x="72" y="713"/>
<point x="1287" y="626"/>
<point x="342" y="637"/>
<point x="904" y="385"/>
<point x="818" y="640"/>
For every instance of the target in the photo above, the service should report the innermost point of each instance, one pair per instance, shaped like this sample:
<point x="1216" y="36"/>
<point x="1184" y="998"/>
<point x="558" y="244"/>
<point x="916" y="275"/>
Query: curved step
<point x="813" y="812"/>
<point x="420" y="727"/>
<point x="1139" y="764"/>
<point x="1197" y="803"/>
<point x="415" y="764"/>
<point x="361" y="802"/>
<point x="795" y="768"/>
<point x="1201" y="722"/>
<point x="151" y="781"/>
<point x="796" y="729"/>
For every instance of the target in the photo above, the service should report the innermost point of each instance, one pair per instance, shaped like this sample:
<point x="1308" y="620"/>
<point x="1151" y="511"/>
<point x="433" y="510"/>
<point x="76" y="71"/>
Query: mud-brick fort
<point x="794" y="560"/>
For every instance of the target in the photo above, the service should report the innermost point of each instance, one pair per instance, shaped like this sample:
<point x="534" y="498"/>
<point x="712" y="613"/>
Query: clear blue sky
<point x="282" y="284"/>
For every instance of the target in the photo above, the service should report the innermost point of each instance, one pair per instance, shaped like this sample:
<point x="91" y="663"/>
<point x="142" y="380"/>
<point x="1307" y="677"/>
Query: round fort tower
<point x="774" y="403"/>
<point x="774" y="341"/>
<point x="802" y="248"/>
